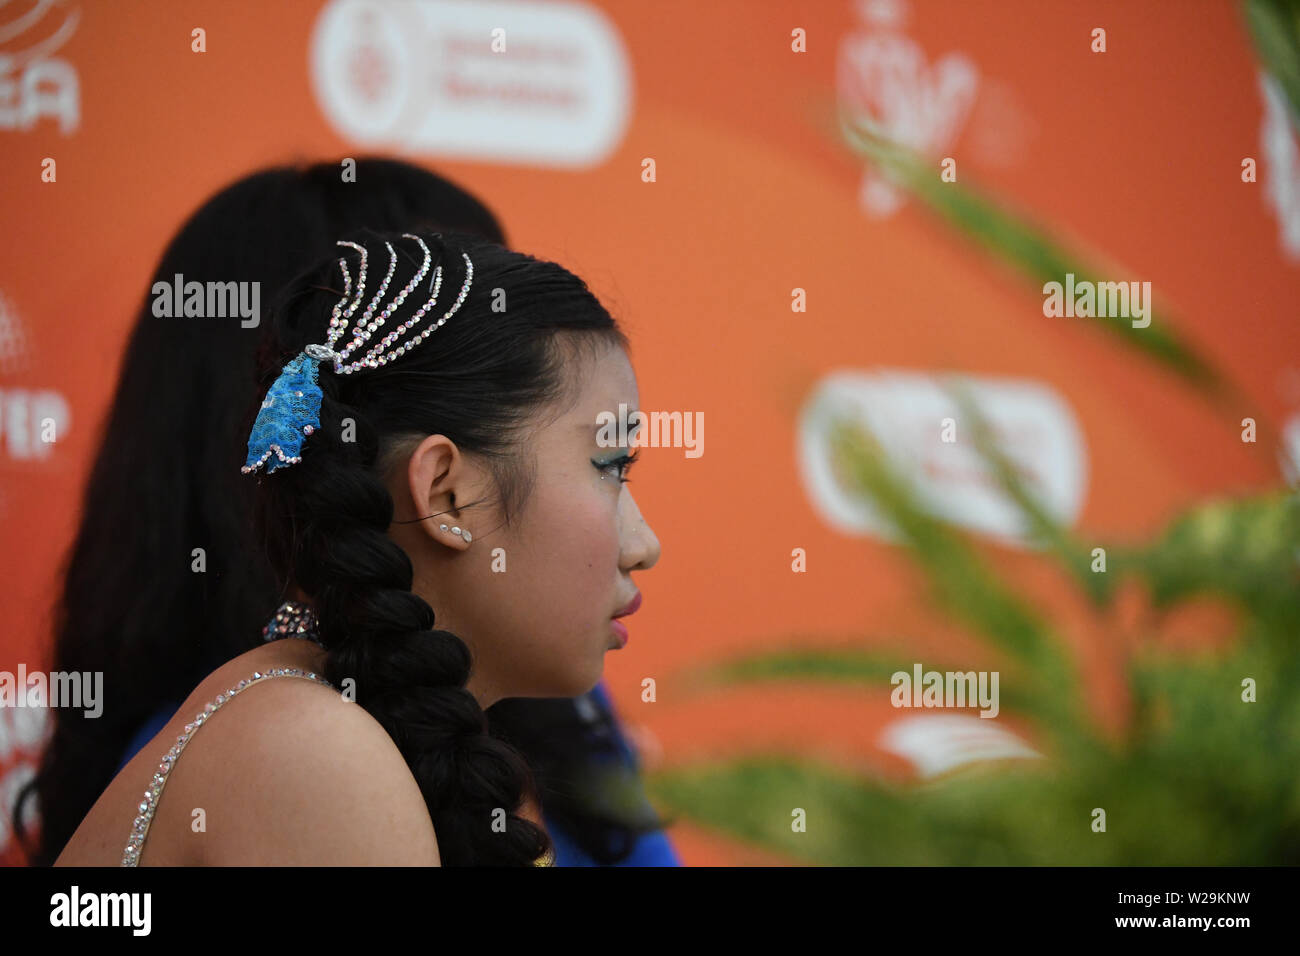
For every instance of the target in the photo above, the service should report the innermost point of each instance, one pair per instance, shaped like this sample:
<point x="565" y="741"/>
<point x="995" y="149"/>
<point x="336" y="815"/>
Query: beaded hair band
<point x="291" y="410"/>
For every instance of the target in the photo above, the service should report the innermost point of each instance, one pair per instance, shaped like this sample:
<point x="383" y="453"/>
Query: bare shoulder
<point x="303" y="777"/>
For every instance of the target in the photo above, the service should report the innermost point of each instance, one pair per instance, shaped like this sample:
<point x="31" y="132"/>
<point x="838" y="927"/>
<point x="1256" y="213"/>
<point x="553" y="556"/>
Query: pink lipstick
<point x="618" y="627"/>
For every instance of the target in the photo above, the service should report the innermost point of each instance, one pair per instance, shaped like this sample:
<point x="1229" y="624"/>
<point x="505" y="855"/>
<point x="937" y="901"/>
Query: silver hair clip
<point x="366" y="326"/>
<point x="291" y="410"/>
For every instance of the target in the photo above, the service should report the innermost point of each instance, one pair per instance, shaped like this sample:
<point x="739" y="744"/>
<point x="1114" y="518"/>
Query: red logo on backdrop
<point x="367" y="67"/>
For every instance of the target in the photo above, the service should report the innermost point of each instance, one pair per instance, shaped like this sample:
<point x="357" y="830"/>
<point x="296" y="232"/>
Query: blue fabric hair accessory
<point x="291" y="410"/>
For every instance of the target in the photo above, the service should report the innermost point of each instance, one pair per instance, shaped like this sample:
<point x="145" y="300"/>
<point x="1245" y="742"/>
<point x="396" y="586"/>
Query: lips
<point x="631" y="607"/>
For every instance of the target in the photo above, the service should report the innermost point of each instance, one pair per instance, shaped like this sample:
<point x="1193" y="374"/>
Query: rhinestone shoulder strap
<point x="148" y="805"/>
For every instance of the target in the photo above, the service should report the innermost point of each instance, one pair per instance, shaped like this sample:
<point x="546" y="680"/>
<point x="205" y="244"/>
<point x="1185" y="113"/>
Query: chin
<point x="591" y="678"/>
<point x="575" y="683"/>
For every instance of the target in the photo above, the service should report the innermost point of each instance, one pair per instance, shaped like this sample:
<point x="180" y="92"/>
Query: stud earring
<point x="464" y="533"/>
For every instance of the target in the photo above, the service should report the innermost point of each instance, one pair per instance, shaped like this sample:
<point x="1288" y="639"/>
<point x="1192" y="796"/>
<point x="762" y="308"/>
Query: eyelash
<point x="624" y="462"/>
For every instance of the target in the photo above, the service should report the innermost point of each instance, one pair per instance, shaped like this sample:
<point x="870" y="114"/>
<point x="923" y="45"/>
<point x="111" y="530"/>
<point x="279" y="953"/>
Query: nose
<point x="639" y="549"/>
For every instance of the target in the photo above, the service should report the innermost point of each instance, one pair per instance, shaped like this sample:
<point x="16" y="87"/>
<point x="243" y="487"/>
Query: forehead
<point x="598" y="381"/>
<point x="607" y="380"/>
<point x="601" y="382"/>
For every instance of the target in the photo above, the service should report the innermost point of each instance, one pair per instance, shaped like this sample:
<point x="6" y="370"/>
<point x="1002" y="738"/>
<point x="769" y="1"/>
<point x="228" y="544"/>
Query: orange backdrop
<point x="1135" y="152"/>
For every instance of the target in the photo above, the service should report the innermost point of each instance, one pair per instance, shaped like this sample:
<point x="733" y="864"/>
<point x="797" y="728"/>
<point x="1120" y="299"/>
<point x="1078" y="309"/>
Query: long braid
<point x="380" y="636"/>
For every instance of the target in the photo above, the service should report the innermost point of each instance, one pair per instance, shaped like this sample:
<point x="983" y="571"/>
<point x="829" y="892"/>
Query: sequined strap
<point x="140" y="829"/>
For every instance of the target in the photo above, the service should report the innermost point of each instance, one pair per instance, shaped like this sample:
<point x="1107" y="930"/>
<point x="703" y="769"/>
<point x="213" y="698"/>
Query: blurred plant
<point x="1275" y="28"/>
<point x="1198" y="775"/>
<point x="1014" y="240"/>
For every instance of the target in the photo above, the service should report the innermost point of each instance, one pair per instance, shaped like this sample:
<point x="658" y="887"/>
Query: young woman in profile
<point x="154" y="628"/>
<point x="435" y="496"/>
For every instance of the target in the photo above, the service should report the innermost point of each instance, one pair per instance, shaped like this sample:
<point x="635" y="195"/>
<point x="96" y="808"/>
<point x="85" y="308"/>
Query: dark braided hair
<point x="478" y="379"/>
<point x="128" y="579"/>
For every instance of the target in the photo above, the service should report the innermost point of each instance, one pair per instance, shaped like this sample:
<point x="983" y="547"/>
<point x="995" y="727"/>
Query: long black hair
<point x="480" y="381"/>
<point x="131" y="604"/>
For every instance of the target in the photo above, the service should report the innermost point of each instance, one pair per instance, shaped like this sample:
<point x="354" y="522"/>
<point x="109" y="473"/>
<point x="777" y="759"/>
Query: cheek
<point x="553" y="621"/>
<point x="579" y="546"/>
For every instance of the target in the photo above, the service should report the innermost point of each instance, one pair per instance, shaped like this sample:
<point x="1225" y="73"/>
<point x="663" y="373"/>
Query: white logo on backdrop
<point x="31" y="420"/>
<point x="33" y="81"/>
<point x="905" y="413"/>
<point x="938" y="743"/>
<point x="1277" y="140"/>
<point x="14" y="355"/>
<point x="883" y="76"/>
<point x="543" y="84"/>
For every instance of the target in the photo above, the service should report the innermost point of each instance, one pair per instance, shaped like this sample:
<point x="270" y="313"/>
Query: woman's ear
<point x="437" y="474"/>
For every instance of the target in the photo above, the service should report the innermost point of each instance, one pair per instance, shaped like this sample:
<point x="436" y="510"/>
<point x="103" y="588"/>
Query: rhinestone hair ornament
<point x="291" y="410"/>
